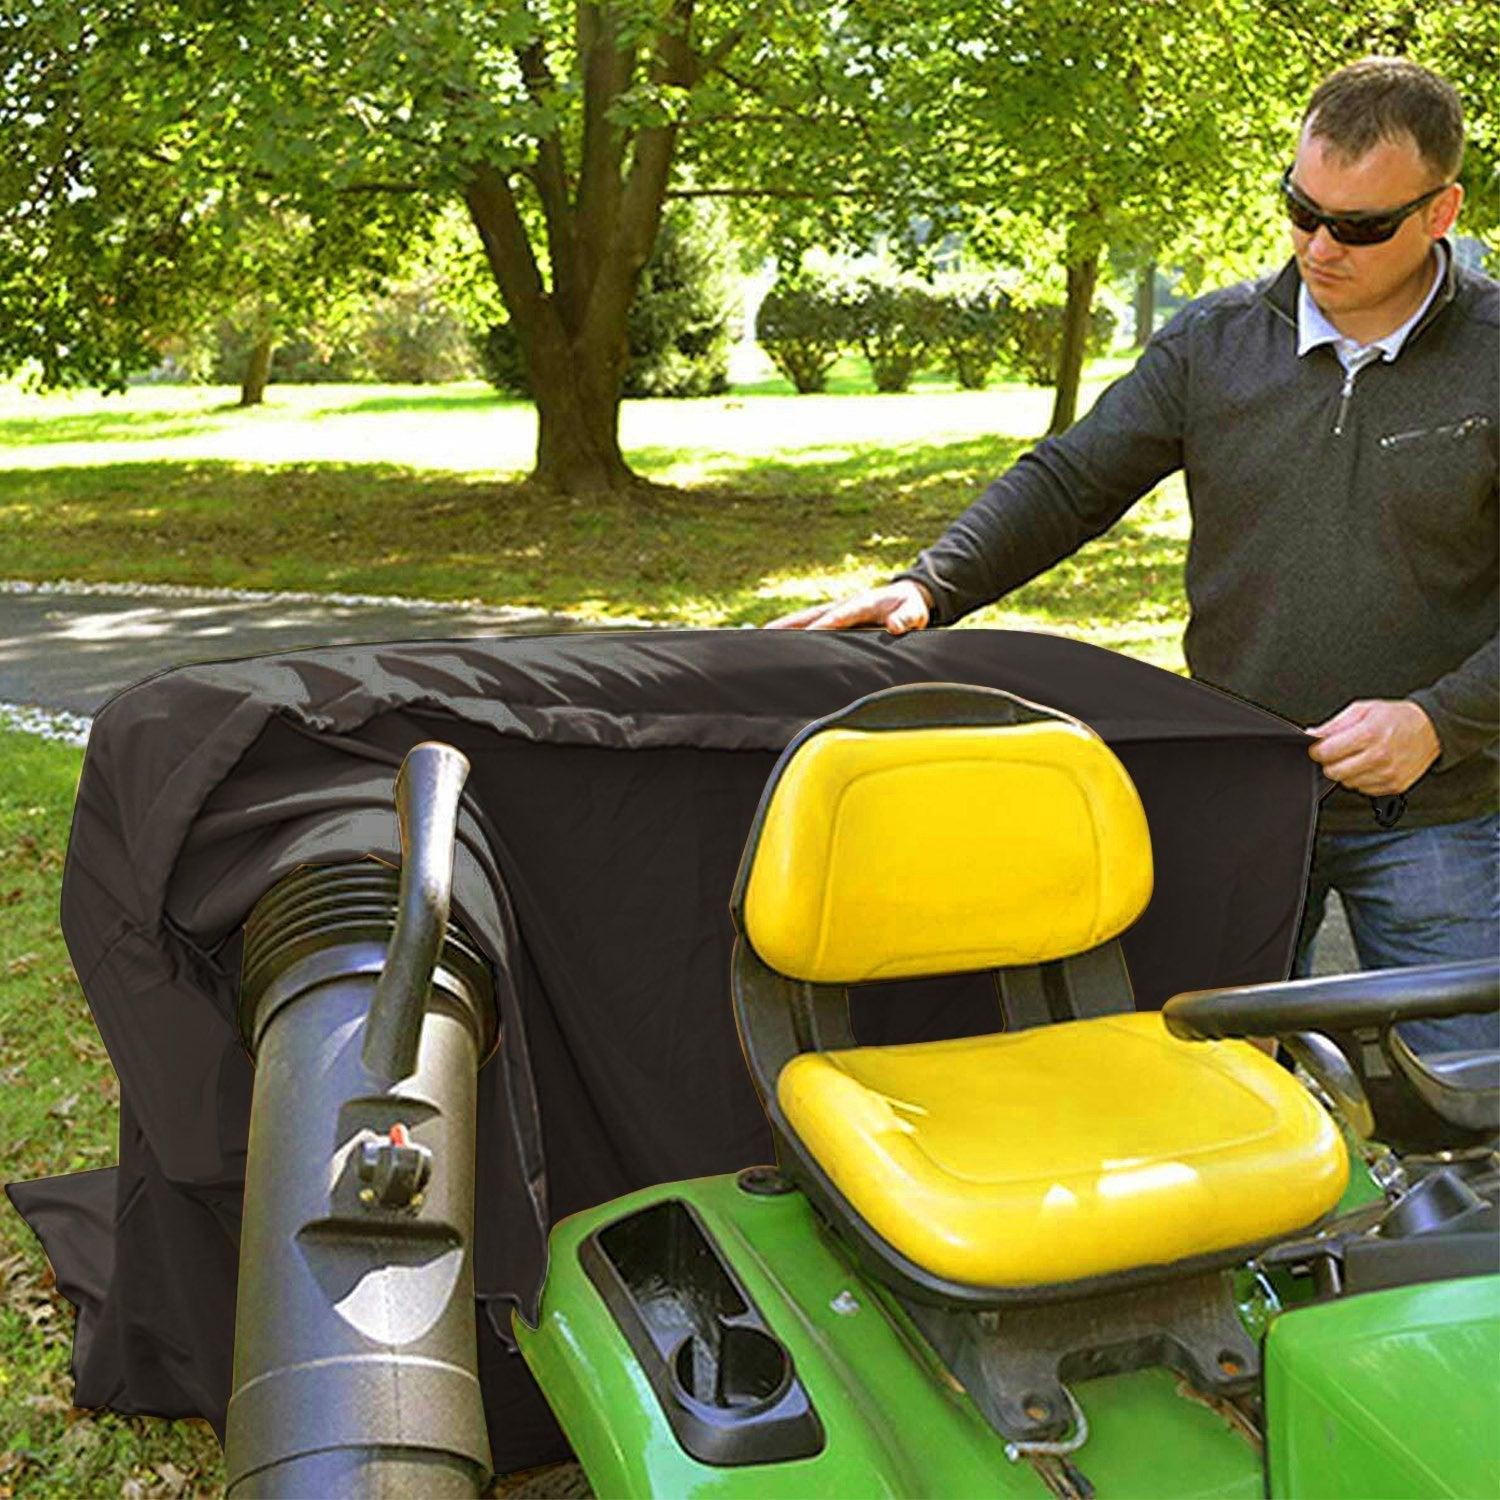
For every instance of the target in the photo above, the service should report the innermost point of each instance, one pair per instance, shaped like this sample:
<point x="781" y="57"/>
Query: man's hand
<point x="899" y="607"/>
<point x="1378" y="746"/>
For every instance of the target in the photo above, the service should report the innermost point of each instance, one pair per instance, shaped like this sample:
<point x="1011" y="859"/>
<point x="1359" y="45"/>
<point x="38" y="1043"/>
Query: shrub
<point x="500" y="357"/>
<point x="407" y="334"/>
<point x="893" y="319"/>
<point x="970" y="319"/>
<point x="1033" y="339"/>
<point x="411" y="336"/>
<point x="804" y="324"/>
<point x="679" y="321"/>
<point x="220" y="352"/>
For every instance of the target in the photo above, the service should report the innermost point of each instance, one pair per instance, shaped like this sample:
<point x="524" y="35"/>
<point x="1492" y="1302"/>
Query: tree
<point x="560" y="128"/>
<point x="1059" y="127"/>
<point x="117" y="236"/>
<point x="1065" y="126"/>
<point x="146" y="144"/>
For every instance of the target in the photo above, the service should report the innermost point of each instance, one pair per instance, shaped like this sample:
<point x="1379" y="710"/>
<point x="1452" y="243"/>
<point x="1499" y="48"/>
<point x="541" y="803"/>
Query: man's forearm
<point x="1464" y="705"/>
<point x="1066" y="490"/>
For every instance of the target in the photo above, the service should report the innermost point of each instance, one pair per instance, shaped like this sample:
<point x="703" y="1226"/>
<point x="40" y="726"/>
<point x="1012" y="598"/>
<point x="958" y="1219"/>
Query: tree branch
<point x="492" y="206"/>
<point x="607" y="70"/>
<point x="550" y="177"/>
<point x="817" y="118"/>
<point x="868" y="195"/>
<point x="640" y="201"/>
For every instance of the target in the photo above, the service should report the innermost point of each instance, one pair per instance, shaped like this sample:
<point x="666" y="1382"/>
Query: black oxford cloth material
<point x="614" y="779"/>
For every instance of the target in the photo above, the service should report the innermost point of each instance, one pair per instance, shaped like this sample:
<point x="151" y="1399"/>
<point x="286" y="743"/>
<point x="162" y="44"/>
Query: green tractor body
<point x="1389" y="1393"/>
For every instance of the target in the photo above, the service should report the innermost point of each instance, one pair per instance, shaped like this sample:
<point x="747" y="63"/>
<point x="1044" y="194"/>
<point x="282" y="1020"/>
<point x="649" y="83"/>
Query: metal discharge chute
<point x="367" y="1011"/>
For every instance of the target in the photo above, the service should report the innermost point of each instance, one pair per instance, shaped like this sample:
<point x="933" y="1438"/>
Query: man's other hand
<point x="1378" y="746"/>
<point x="899" y="607"/>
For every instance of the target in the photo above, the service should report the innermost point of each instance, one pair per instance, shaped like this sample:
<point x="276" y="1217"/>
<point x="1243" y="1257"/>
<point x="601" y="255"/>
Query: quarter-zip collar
<point x="1315" y="328"/>
<point x="1282" y="292"/>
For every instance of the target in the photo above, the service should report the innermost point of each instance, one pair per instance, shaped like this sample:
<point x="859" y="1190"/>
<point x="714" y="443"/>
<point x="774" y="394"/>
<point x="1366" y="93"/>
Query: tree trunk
<point x="257" y="372"/>
<point x="1081" y="279"/>
<point x="577" y="445"/>
<point x="1145" y="303"/>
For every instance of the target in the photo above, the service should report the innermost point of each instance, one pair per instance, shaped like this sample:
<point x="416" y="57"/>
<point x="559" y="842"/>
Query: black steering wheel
<point x="1342" y="1029"/>
<point x="1378" y="998"/>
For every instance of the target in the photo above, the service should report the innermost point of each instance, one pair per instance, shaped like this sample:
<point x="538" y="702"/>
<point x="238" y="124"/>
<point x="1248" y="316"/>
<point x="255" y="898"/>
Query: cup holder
<point x="749" y="1371"/>
<point x="727" y="1385"/>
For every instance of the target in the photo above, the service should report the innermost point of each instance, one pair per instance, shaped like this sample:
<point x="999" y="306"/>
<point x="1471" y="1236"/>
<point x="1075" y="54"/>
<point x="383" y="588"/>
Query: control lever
<point x="428" y="787"/>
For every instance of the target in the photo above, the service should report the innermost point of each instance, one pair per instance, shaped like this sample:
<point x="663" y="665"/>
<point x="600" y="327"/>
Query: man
<point x="1337" y="425"/>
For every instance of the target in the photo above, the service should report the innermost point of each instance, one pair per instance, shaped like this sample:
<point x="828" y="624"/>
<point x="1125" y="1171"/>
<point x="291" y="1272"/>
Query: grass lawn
<point x="58" y="1098"/>
<point x="761" y="501"/>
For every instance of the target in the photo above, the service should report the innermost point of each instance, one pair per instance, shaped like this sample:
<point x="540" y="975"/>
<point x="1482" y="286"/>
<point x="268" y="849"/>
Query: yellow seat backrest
<point x="884" y="853"/>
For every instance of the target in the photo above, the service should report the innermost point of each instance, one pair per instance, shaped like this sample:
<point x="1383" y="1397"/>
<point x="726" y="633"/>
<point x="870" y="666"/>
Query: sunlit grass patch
<point x="758" y="504"/>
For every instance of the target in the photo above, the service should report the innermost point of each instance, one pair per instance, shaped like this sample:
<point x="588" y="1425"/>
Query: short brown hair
<point x="1386" y="98"/>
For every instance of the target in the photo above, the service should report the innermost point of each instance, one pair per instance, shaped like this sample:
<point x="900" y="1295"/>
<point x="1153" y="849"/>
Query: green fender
<point x="1392" y="1393"/>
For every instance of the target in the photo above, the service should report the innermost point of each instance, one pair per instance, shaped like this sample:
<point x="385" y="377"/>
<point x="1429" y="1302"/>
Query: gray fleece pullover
<point x="1344" y="538"/>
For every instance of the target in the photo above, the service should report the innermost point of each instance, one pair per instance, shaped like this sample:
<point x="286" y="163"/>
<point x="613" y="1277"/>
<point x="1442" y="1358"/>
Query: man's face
<point x="1365" y="279"/>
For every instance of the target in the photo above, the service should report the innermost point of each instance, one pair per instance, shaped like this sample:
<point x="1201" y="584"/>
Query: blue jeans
<point x="1414" y="896"/>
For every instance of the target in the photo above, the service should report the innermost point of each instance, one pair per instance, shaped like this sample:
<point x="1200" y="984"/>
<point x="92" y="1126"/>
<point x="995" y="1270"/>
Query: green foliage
<point x="803" y="324"/>
<point x="150" y="155"/>
<point x="679" y="323"/>
<point x="503" y="360"/>
<point x="970" y="322"/>
<point x="408" y="334"/>
<point x="1032" y="341"/>
<point x="679" y="320"/>
<point x="892" y="317"/>
<point x="412" y="336"/>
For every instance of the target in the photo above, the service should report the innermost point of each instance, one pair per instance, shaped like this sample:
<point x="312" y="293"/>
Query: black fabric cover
<point x="614" y="779"/>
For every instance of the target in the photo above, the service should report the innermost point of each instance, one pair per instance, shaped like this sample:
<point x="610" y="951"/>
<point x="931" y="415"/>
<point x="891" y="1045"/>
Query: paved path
<point x="70" y="648"/>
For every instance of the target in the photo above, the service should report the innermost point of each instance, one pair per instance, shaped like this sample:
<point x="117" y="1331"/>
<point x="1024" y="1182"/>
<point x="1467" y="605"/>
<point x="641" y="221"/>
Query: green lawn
<point x="58" y="1099"/>
<point x="760" y="502"/>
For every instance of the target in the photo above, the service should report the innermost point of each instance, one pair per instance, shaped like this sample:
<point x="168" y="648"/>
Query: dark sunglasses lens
<point x="1345" y="231"/>
<point x="1363" y="231"/>
<point x="1300" y="215"/>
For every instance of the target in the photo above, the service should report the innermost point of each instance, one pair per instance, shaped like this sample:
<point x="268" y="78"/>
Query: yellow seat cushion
<point x="1066" y="1152"/>
<point x="888" y="853"/>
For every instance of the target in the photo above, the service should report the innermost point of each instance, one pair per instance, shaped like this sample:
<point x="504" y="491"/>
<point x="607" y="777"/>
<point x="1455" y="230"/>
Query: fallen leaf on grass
<point x="63" y="1107"/>
<point x="172" y="1477"/>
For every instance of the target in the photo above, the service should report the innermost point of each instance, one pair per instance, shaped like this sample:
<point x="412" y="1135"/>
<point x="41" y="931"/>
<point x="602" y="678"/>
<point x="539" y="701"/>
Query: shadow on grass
<point x="432" y="402"/>
<point x="754" y="540"/>
<point x="124" y="426"/>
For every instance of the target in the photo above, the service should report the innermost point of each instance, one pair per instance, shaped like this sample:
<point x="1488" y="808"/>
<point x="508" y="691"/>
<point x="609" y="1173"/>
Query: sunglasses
<point x="1350" y="229"/>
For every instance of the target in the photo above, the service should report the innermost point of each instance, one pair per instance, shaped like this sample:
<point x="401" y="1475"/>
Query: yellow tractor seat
<point x="1066" y="1152"/>
<point x="936" y="830"/>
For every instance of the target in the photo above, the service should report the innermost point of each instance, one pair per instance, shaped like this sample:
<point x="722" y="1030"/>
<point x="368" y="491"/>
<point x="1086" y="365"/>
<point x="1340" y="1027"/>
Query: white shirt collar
<point x="1314" y="329"/>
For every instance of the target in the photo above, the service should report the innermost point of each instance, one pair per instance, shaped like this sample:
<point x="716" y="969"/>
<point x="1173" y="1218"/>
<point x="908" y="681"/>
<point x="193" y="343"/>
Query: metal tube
<point x="355" y="1367"/>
